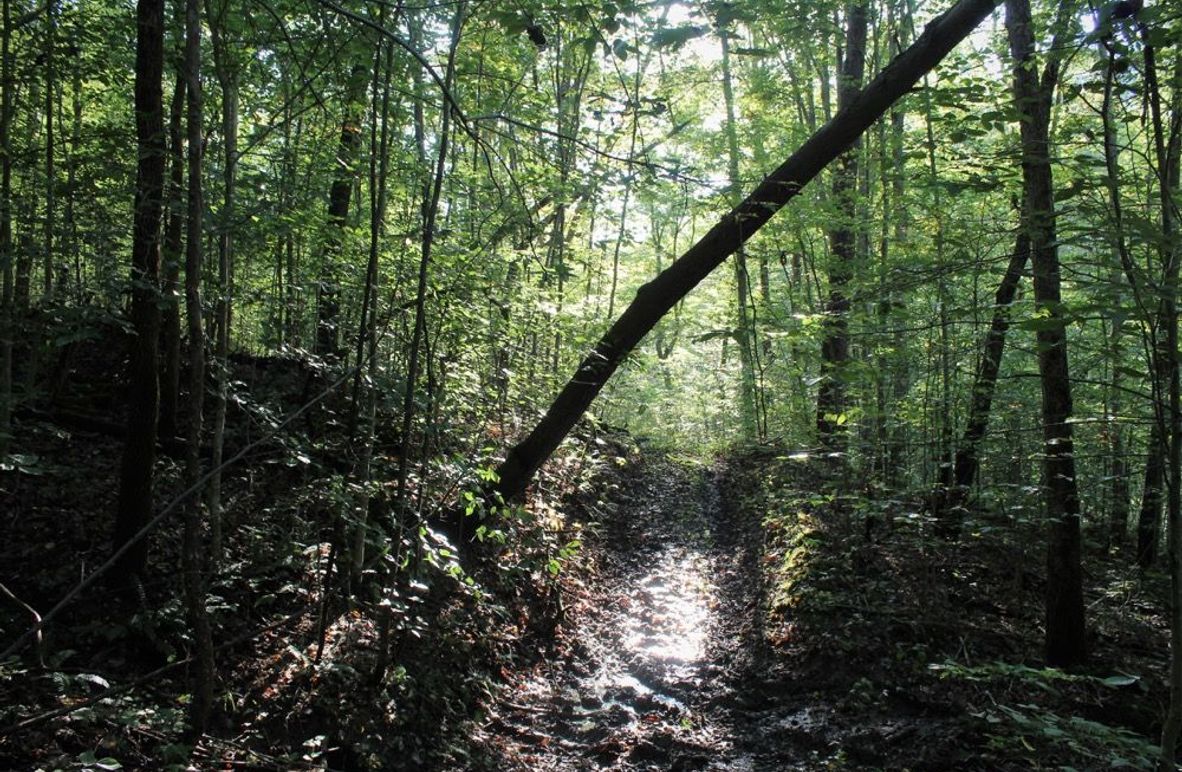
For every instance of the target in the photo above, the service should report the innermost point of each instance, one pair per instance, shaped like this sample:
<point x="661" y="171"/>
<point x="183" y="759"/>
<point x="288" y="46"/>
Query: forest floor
<point x="648" y="611"/>
<point x="662" y="667"/>
<point x="731" y="617"/>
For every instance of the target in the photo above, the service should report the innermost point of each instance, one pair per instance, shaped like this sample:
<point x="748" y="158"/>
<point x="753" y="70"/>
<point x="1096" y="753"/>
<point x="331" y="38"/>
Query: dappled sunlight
<point x="668" y="623"/>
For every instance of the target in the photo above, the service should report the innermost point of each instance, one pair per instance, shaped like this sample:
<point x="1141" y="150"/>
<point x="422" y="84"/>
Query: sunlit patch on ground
<point x="628" y="694"/>
<point x="673" y="607"/>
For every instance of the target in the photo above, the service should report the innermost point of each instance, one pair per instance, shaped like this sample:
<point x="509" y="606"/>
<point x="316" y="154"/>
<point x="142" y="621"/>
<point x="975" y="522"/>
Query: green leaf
<point x="676" y="37"/>
<point x="1120" y="680"/>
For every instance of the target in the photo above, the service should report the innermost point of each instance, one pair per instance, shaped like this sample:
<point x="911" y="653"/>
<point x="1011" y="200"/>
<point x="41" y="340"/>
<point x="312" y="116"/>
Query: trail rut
<point x="662" y="663"/>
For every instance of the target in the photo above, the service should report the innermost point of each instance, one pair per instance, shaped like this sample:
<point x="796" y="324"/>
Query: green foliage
<point x="1024" y="728"/>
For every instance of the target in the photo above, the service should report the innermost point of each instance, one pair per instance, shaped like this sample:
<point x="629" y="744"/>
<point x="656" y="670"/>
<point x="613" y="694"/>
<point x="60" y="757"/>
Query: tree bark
<point x="328" y="301"/>
<point x="170" y="334"/>
<point x="744" y="334"/>
<point x="1064" y="643"/>
<point x="835" y="346"/>
<point x="139" y="452"/>
<point x="193" y="579"/>
<point x="967" y="460"/>
<point x="227" y="75"/>
<point x="654" y="299"/>
<point x="8" y="290"/>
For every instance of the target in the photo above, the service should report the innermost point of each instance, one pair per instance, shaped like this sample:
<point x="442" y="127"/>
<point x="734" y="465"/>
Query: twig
<point x="114" y="690"/>
<point x="152" y="524"/>
<point x="36" y="622"/>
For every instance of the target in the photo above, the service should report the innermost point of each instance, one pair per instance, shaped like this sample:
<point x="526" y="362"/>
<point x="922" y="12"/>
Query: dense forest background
<point x="289" y="284"/>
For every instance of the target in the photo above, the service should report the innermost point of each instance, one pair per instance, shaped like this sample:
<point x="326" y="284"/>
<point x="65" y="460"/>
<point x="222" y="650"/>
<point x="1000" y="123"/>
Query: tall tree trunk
<point x="170" y="334"/>
<point x="1168" y="154"/>
<point x="71" y="223"/>
<point x="835" y="346"/>
<point x="944" y="421"/>
<point x="367" y="329"/>
<point x="328" y="301"/>
<point x="191" y="552"/>
<point x="622" y="231"/>
<point x="1118" y="470"/>
<point x="967" y="458"/>
<point x="432" y="193"/>
<point x="1065" y="645"/>
<point x="50" y="267"/>
<point x="227" y="76"/>
<point x="51" y="91"/>
<point x="8" y="296"/>
<point x="895" y="456"/>
<point x="654" y="299"/>
<point x="139" y="451"/>
<point x="1149" y="513"/>
<point x="744" y="334"/>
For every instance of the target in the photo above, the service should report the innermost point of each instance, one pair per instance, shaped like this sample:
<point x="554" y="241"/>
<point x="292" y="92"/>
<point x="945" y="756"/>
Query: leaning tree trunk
<point x="139" y="452"/>
<point x="967" y="458"/>
<point x="1064" y="599"/>
<point x="654" y="299"/>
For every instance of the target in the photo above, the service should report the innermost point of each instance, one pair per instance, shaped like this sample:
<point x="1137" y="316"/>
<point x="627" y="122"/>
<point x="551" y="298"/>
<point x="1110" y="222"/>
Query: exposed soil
<point x="711" y="633"/>
<point x="662" y="667"/>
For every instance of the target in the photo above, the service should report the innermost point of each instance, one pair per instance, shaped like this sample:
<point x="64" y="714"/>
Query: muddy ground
<point x="707" y="635"/>
<point x="645" y="676"/>
<point x="665" y="667"/>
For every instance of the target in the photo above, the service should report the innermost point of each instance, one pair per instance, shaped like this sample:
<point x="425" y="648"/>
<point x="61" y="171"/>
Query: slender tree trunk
<point x="227" y="76"/>
<point x="1118" y="471"/>
<point x="367" y="329"/>
<point x="896" y="456"/>
<point x="71" y="224"/>
<point x="654" y="299"/>
<point x="1168" y="153"/>
<point x="835" y="346"/>
<point x="433" y="191"/>
<point x="139" y="451"/>
<point x="967" y="458"/>
<point x="623" y="229"/>
<point x="49" y="266"/>
<point x="743" y="330"/>
<point x="8" y="296"/>
<point x="569" y="99"/>
<point x="1065" y="644"/>
<point x="191" y="548"/>
<point x="170" y="338"/>
<point x="328" y="301"/>
<point x="944" y="422"/>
